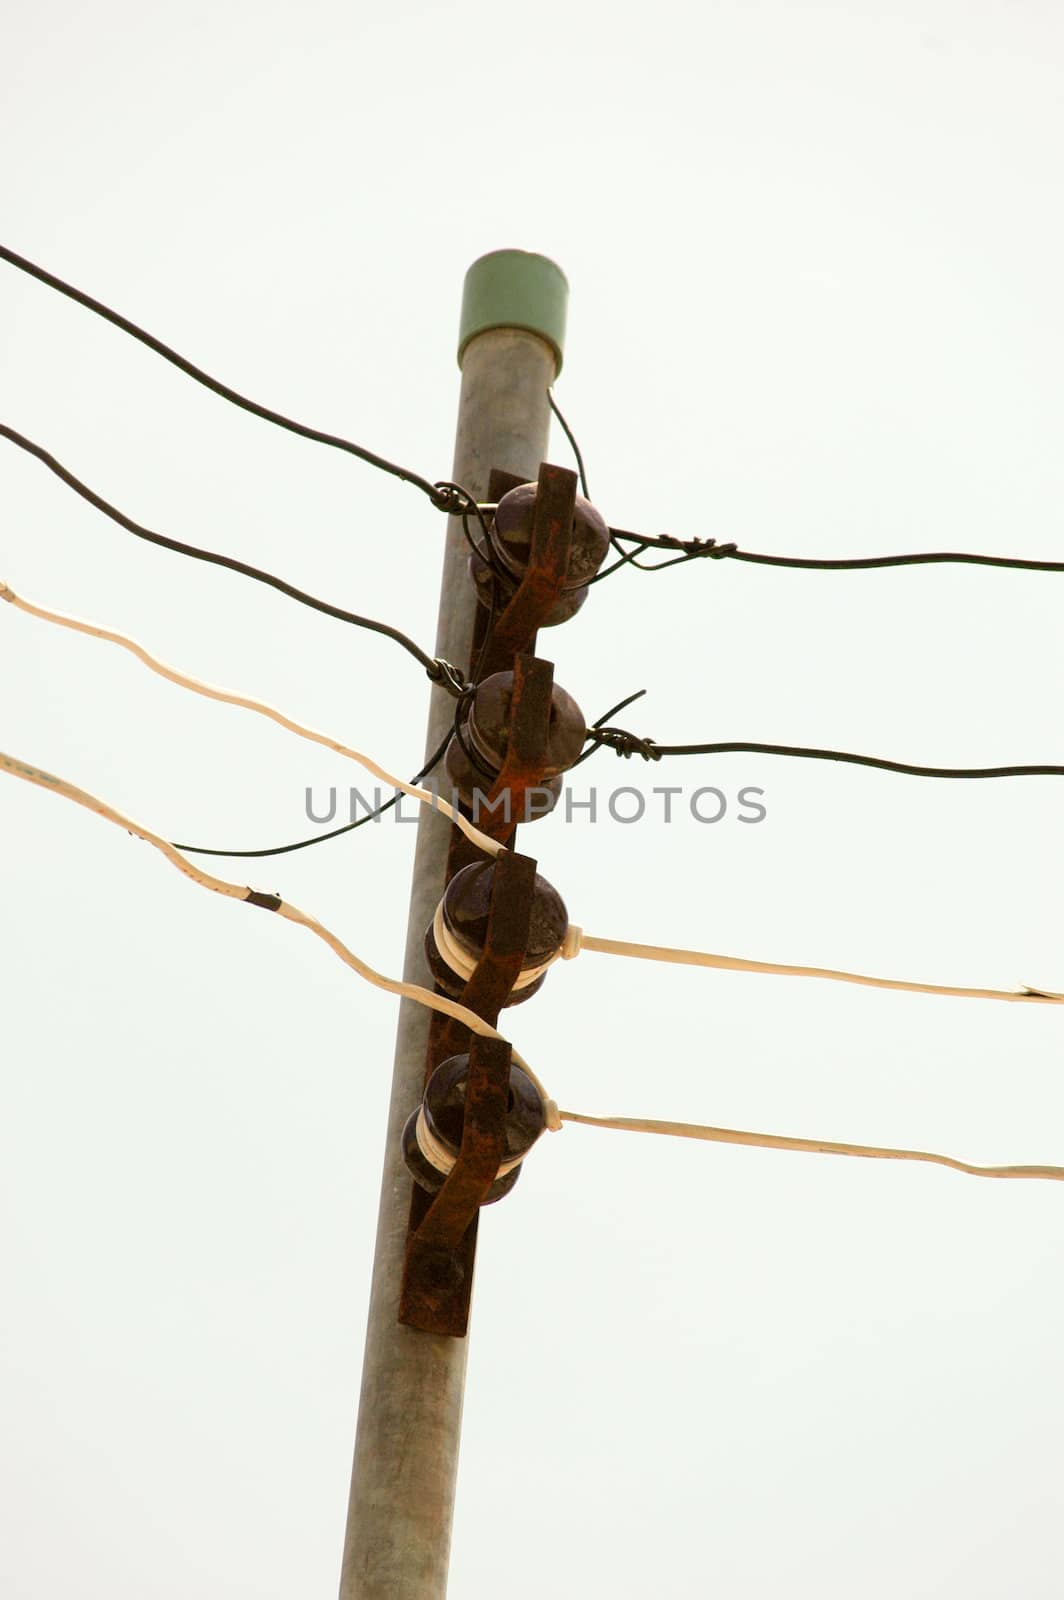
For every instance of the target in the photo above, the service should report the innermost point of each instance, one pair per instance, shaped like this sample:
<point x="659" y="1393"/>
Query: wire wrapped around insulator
<point x="455" y="941"/>
<point x="432" y="1136"/>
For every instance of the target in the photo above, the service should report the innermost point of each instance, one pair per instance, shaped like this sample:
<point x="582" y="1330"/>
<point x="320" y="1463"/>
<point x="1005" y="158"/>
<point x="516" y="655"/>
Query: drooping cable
<point x="576" y="940"/>
<point x="693" y="549"/>
<point x="627" y="557"/>
<point x="574" y="447"/>
<point x="236" y="891"/>
<point x="918" y="559"/>
<point x="451" y="1008"/>
<point x="626" y="744"/>
<point x="321" y="838"/>
<point x="260" y="707"/>
<point x="779" y="1141"/>
<point x="442" y="496"/>
<point x="374" y="815"/>
<point x="439" y="671"/>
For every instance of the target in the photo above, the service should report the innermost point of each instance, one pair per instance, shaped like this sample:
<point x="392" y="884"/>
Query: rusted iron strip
<point x="438" y="1279"/>
<point x="522" y="767"/>
<point x="482" y="1149"/>
<point x="545" y="575"/>
<point x="438" y="1273"/>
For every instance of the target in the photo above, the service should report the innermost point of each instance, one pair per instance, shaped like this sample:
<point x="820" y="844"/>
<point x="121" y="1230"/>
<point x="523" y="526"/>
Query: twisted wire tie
<point x="626" y="744"/>
<point x="695" y="547"/>
<point x="448" y="676"/>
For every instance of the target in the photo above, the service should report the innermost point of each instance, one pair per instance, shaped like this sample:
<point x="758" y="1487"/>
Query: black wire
<point x="628" y="558"/>
<point x="465" y="699"/>
<point x="570" y="435"/>
<point x="629" y="744"/>
<point x="320" y="838"/>
<point x="620" y="706"/>
<point x="438" y="671"/>
<point x="605" y="717"/>
<point x="476" y="762"/>
<point x="924" y="558"/>
<point x="692" y="549"/>
<point x="438" y="493"/>
<point x="486" y="552"/>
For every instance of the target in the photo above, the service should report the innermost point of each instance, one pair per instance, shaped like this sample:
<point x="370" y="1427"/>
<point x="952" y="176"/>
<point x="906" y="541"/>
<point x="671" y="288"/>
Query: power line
<point x="577" y="940"/>
<point x="439" y="671"/>
<point x="372" y="816"/>
<point x="627" y="557"/>
<point x="256" y="897"/>
<point x="569" y="434"/>
<point x="453" y="498"/>
<point x="322" y="838"/>
<point x="919" y="559"/>
<point x="554" y="1118"/>
<point x="209" y="691"/>
<point x="692" y="549"/>
<point x="781" y="1141"/>
<point x="445" y="497"/>
<point x="624" y="743"/>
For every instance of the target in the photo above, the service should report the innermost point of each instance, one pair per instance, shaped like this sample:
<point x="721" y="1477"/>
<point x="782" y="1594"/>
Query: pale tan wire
<point x="228" y="697"/>
<point x="576" y="940"/>
<point x="450" y="1008"/>
<point x="780" y="1141"/>
<point x="464" y="965"/>
<point x="239" y="891"/>
<point x="439" y="1156"/>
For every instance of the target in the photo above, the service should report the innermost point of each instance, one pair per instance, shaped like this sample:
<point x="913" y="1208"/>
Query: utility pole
<point x="410" y="1410"/>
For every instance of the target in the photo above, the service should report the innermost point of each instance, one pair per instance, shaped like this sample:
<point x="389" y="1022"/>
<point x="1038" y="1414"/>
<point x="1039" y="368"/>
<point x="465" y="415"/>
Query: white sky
<point x="815" y="254"/>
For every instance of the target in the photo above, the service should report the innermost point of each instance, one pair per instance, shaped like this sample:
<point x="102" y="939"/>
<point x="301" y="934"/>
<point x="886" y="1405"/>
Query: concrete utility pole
<point x="410" y="1411"/>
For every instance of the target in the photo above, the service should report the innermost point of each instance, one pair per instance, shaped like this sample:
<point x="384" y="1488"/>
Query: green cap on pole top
<point x="515" y="289"/>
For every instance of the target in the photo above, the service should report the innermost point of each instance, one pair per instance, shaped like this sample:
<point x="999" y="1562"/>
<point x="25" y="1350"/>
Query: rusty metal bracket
<point x="522" y="766"/>
<point x="482" y="1148"/>
<point x="441" y="1239"/>
<point x="545" y="576"/>
<point x="438" y="1271"/>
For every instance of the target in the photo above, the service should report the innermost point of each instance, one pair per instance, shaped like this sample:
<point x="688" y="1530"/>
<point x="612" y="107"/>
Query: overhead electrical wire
<point x="453" y="498"/>
<point x="446" y="497"/>
<point x="780" y="1141"/>
<point x="627" y="557"/>
<point x="321" y="838"/>
<point x="623" y="743"/>
<point x="228" y="697"/>
<point x="581" y="471"/>
<point x="555" y="1118"/>
<point x="923" y="558"/>
<point x="439" y="671"/>
<point x="576" y="940"/>
<point x="236" y="891"/>
<point x="694" y="549"/>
